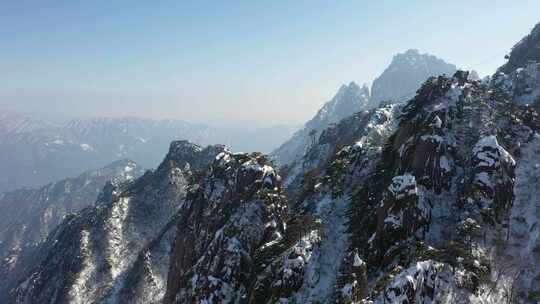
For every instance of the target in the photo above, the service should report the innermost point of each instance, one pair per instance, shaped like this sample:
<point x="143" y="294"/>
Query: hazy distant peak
<point x="410" y="53"/>
<point x="352" y="89"/>
<point x="406" y="72"/>
<point x="348" y="100"/>
<point x="364" y="90"/>
<point x="415" y="58"/>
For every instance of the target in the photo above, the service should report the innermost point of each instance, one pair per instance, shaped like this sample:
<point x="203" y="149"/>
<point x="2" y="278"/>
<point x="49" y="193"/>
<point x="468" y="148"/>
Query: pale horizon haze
<point x="231" y="61"/>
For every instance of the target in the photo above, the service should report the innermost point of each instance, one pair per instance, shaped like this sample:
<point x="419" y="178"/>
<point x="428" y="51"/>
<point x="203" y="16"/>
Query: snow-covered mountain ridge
<point x="405" y="74"/>
<point x="117" y="250"/>
<point x="27" y="216"/>
<point x="429" y="201"/>
<point x="349" y="99"/>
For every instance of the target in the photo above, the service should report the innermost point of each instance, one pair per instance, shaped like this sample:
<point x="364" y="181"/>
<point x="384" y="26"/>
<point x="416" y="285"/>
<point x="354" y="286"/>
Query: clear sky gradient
<point x="223" y="61"/>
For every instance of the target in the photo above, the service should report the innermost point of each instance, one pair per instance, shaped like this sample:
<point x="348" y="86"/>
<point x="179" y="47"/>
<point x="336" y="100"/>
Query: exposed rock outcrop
<point x="236" y="210"/>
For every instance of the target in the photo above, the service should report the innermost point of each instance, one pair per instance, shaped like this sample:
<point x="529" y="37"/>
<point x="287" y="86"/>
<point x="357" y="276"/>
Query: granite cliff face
<point x="228" y="219"/>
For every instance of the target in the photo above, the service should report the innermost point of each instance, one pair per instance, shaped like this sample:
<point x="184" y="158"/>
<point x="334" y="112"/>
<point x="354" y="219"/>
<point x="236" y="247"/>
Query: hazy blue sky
<point x="272" y="61"/>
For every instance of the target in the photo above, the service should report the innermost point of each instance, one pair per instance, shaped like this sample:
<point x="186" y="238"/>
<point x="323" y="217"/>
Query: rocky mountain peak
<point x="405" y="74"/>
<point x="226" y="220"/>
<point x="398" y="82"/>
<point x="411" y="53"/>
<point x="349" y="99"/>
<point x="184" y="153"/>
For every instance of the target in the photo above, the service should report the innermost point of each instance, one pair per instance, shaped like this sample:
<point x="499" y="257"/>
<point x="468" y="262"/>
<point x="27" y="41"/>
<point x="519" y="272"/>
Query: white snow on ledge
<point x="86" y="147"/>
<point x="358" y="261"/>
<point x="403" y="185"/>
<point x="486" y="157"/>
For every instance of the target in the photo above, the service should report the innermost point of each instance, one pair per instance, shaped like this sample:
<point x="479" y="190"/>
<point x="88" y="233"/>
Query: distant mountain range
<point x="34" y="152"/>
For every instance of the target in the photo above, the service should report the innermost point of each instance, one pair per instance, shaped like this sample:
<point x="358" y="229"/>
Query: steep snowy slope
<point x="27" y="216"/>
<point x="305" y="266"/>
<point x="443" y="185"/>
<point x="524" y="52"/>
<point x="348" y="100"/>
<point x="441" y="209"/>
<point x="405" y="75"/>
<point x="369" y="127"/>
<point x="438" y="213"/>
<point x="92" y="256"/>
